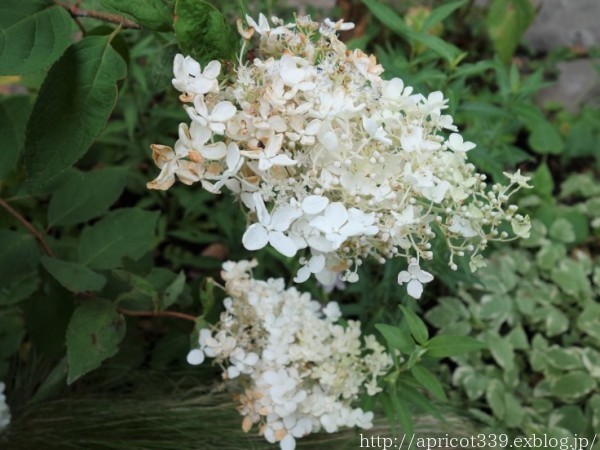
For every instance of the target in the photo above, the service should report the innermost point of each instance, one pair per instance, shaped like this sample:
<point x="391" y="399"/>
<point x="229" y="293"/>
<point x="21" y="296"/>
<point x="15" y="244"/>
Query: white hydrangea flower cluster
<point x="4" y="409"/>
<point x="331" y="159"/>
<point x="300" y="370"/>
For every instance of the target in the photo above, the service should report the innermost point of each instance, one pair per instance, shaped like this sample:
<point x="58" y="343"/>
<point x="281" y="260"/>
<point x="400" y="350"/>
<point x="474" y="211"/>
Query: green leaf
<point x="542" y="181"/>
<point x="416" y="326"/>
<point x="33" y="34"/>
<point x="19" y="257"/>
<point x="494" y="395"/>
<point x="396" y="338"/>
<point x="429" y="381"/>
<point x="125" y="232"/>
<point x="73" y="276"/>
<point x="402" y="412"/>
<point x="561" y="230"/>
<point x="440" y="13"/>
<point x="93" y="335"/>
<point x="14" y="112"/>
<point x="86" y="195"/>
<point x="173" y="291"/>
<point x="574" y="385"/>
<point x="11" y="333"/>
<point x="395" y="23"/>
<point x="507" y="20"/>
<point x="152" y="14"/>
<point x="139" y="285"/>
<point x="556" y="322"/>
<point x="563" y="358"/>
<point x="545" y="138"/>
<point x="501" y="349"/>
<point x="449" y="345"/>
<point x="203" y="32"/>
<point x="67" y="117"/>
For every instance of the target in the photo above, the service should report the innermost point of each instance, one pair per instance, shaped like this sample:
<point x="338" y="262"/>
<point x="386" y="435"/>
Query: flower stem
<point x="38" y="236"/>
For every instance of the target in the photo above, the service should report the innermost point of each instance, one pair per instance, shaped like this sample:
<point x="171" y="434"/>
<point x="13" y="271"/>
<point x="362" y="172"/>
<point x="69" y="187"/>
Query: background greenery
<point x="103" y="283"/>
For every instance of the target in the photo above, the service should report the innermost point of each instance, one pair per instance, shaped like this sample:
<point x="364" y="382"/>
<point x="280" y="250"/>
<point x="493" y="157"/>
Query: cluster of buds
<point x="332" y="161"/>
<point x="299" y="369"/>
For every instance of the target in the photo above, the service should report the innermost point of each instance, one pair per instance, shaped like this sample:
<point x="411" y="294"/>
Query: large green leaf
<point x="574" y="385"/>
<point x="33" y="34"/>
<point x="86" y="195"/>
<point x="507" y="20"/>
<point x="416" y="326"/>
<point x="152" y="14"/>
<point x="19" y="256"/>
<point x="394" y="22"/>
<point x="14" y="112"/>
<point x="450" y="345"/>
<point x="73" y="276"/>
<point x="94" y="334"/>
<point x="396" y="338"/>
<point x="428" y="381"/>
<point x="125" y="232"/>
<point x="73" y="106"/>
<point x="203" y="32"/>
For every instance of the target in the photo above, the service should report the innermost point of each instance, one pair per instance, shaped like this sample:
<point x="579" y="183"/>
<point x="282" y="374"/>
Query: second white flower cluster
<point x="300" y="370"/>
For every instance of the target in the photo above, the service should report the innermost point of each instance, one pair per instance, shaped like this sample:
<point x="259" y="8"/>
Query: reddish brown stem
<point x="75" y="11"/>
<point x="174" y="314"/>
<point x="38" y="236"/>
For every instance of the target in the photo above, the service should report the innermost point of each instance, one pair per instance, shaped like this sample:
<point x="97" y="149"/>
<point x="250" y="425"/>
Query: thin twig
<point x="75" y="11"/>
<point x="38" y="236"/>
<point x="174" y="314"/>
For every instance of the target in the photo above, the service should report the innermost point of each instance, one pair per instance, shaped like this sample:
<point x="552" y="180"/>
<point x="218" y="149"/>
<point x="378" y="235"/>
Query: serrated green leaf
<point x="139" y="285"/>
<point x="33" y="34"/>
<point x="67" y="117"/>
<point x="152" y="14"/>
<point x="122" y="233"/>
<point x="203" y="32"/>
<point x="573" y="385"/>
<point x="94" y="334"/>
<point x="19" y="258"/>
<point x="507" y="20"/>
<point x="428" y="381"/>
<point x="396" y="338"/>
<point x="14" y="112"/>
<point x="416" y="326"/>
<point x="73" y="276"/>
<point x="86" y="195"/>
<point x="449" y="345"/>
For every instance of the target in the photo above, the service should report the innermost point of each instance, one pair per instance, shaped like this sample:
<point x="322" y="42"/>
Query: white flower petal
<point x="336" y="214"/>
<point x="214" y="151"/>
<point x="283" y="217"/>
<point x="424" y="277"/>
<point x="223" y="112"/>
<point x="314" y="204"/>
<point x="404" y="277"/>
<point x="414" y="289"/>
<point x="212" y="70"/>
<point x="282" y="243"/>
<point x="195" y="357"/>
<point x="255" y="237"/>
<point x="303" y="274"/>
